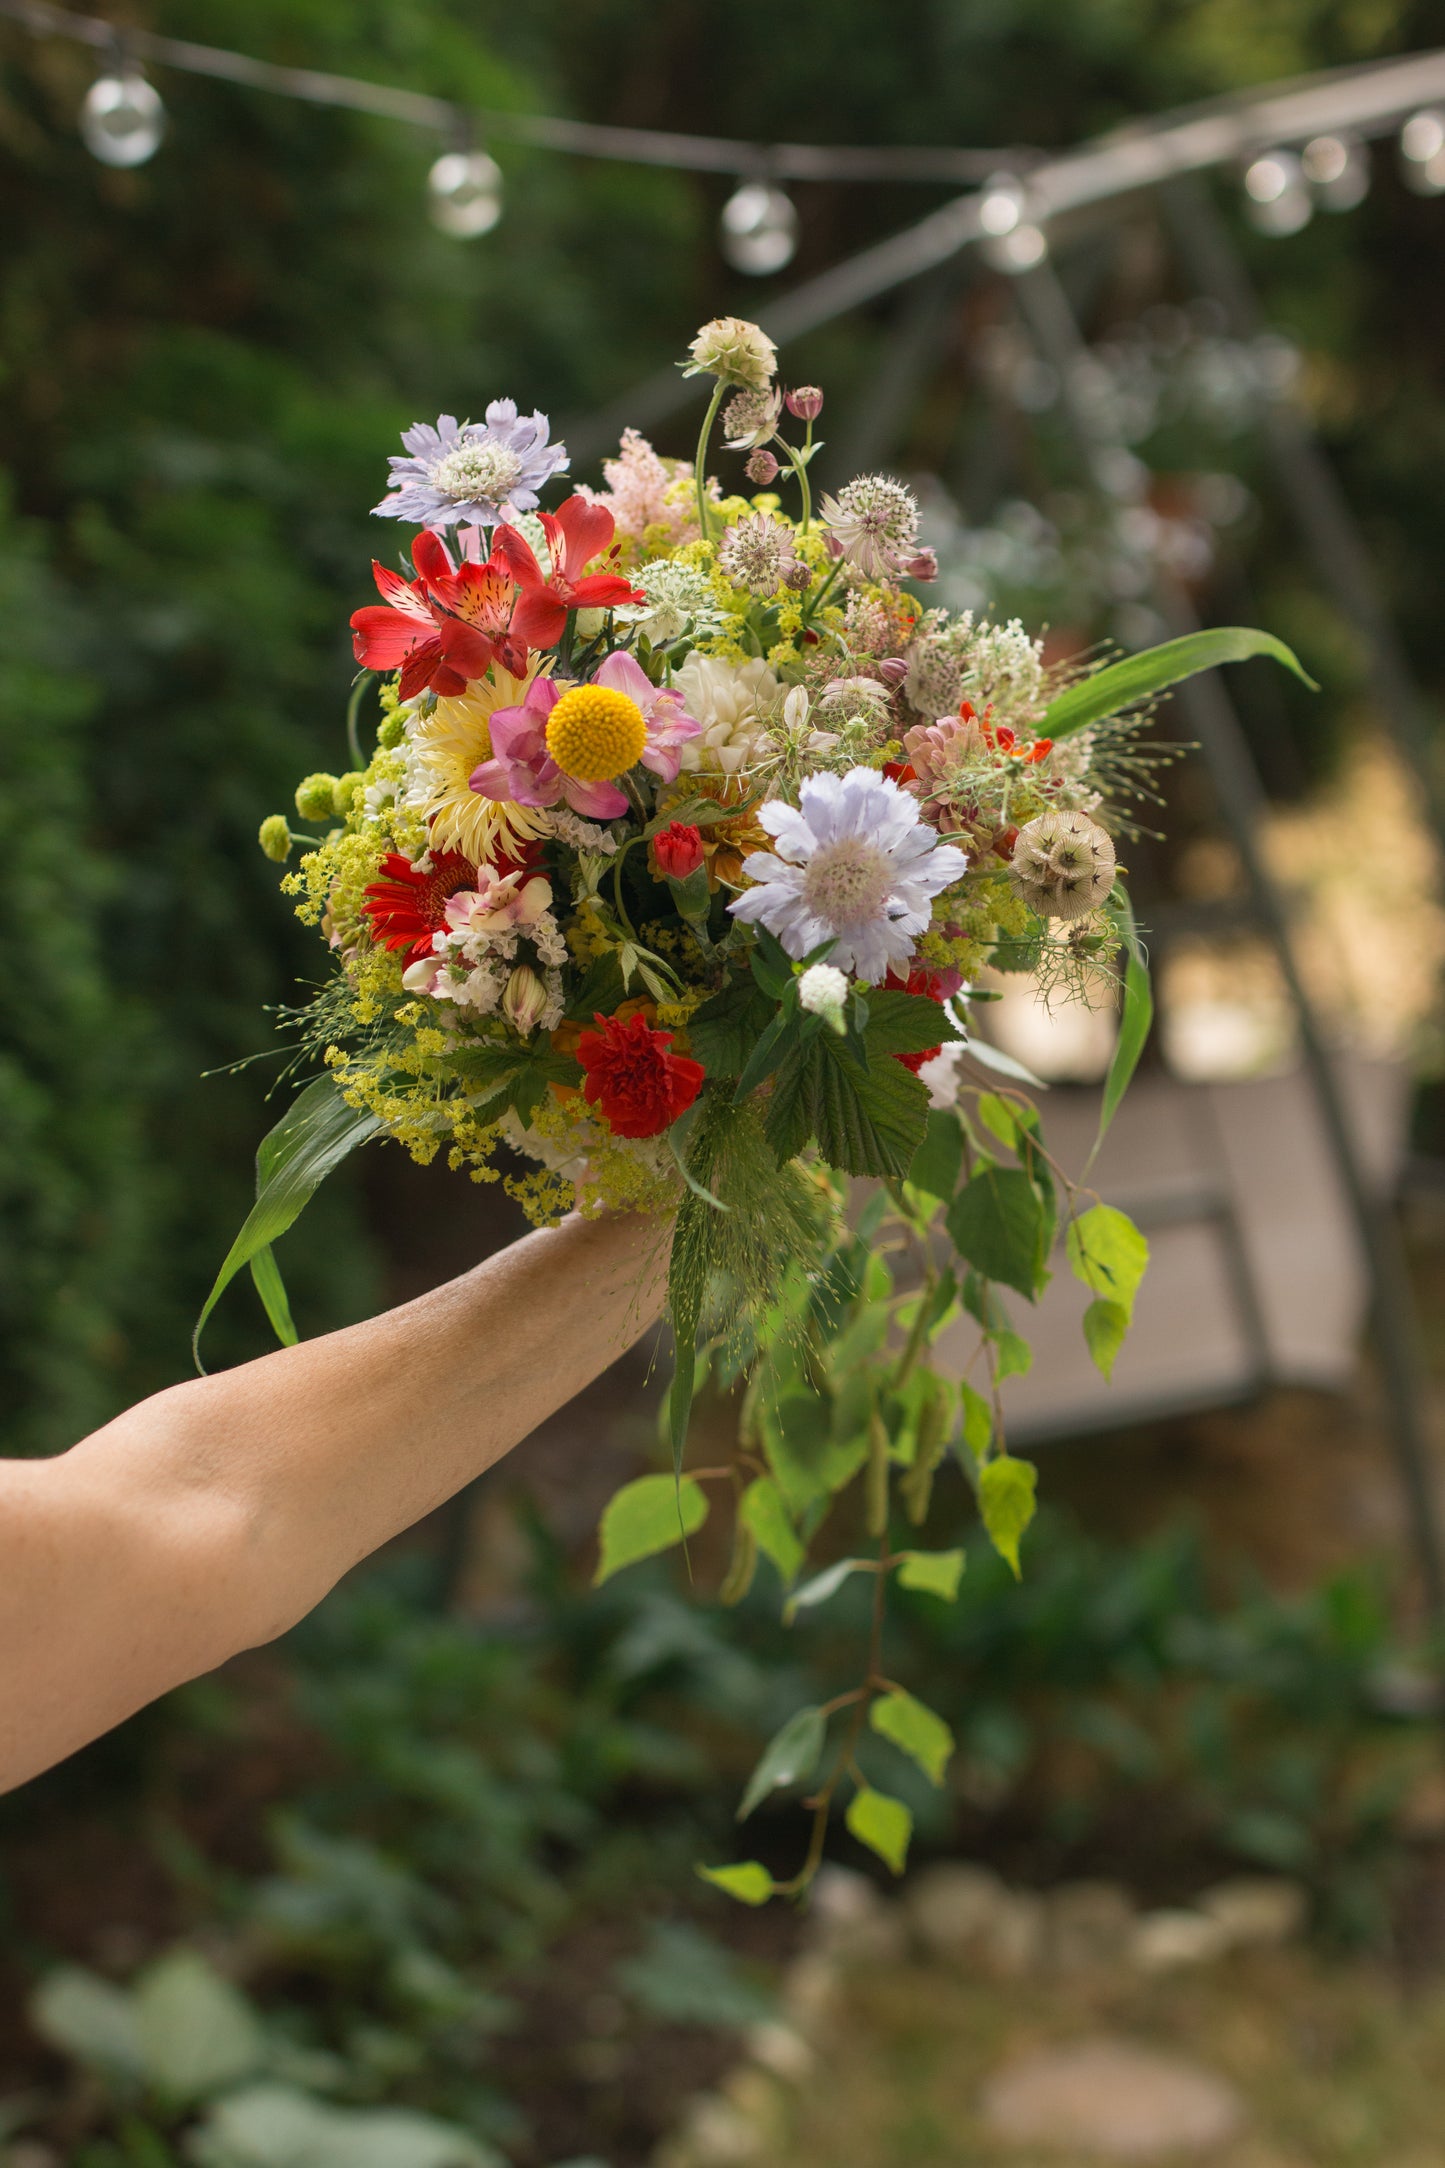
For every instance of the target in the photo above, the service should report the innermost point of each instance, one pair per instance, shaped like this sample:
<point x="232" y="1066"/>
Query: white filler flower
<point x="853" y="865"/>
<point x="822" y="990"/>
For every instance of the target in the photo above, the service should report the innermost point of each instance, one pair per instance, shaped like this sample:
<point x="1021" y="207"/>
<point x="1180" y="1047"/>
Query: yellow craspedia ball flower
<point x="594" y="733"/>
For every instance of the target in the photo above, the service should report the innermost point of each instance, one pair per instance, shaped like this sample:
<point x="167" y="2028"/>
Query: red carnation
<point x="677" y="852"/>
<point x="640" y="1087"/>
<point x="938" y="985"/>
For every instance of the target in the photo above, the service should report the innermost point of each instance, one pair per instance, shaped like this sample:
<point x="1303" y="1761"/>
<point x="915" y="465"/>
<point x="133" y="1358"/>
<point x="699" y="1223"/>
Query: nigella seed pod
<point x="1063" y="865"/>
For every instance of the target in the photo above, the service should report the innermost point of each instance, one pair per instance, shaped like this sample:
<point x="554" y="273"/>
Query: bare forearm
<point x="214" y="1516"/>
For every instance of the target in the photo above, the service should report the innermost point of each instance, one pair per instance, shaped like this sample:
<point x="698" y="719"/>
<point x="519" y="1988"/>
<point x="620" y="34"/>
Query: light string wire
<point x="586" y="139"/>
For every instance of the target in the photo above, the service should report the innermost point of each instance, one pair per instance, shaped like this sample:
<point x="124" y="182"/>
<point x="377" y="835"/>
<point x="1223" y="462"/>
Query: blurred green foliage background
<point x="205" y="362"/>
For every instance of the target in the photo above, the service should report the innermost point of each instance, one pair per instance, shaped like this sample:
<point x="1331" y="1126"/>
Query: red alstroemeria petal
<point x="539" y="618"/>
<point x="602" y="591"/>
<point x="382" y="639"/>
<point x="431" y="557"/>
<point x="517" y="551"/>
<point x="403" y="595"/>
<point x="586" y="530"/>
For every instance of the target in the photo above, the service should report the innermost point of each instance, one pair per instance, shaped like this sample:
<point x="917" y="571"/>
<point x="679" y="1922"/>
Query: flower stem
<point x="815" y="601"/>
<point x="802" y="473"/>
<point x="700" y="470"/>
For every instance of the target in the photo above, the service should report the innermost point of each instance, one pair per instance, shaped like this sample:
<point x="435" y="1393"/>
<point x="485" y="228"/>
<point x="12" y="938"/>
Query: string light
<point x="758" y="229"/>
<point x="1337" y="168"/>
<point x="1002" y="204"/>
<point x="1277" y="199"/>
<point x="122" y="119"/>
<point x="465" y="192"/>
<point x="1422" y="151"/>
<point x="1020" y="249"/>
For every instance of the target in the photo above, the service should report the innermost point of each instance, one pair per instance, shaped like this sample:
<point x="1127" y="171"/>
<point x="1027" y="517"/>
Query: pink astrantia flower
<point x="523" y="771"/>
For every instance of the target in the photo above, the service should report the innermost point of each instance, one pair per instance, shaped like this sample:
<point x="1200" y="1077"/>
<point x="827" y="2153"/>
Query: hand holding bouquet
<point x="688" y="832"/>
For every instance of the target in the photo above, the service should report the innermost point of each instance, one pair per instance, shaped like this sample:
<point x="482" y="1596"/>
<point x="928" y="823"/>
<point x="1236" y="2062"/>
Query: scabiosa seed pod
<point x="806" y="402"/>
<point x="316" y="797"/>
<point x="1063" y="864"/>
<point x="275" y="837"/>
<point x="762" y="468"/>
<point x="735" y="350"/>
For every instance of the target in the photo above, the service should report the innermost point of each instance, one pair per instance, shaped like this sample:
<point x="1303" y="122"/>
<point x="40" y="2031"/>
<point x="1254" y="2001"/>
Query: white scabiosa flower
<point x="732" y="701"/>
<point x="853" y="865"/>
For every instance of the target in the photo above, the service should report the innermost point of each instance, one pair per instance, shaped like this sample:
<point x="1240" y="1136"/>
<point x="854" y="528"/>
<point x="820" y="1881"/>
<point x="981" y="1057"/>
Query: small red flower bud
<point x="806" y="402"/>
<point x="762" y="467"/>
<point x="677" y="851"/>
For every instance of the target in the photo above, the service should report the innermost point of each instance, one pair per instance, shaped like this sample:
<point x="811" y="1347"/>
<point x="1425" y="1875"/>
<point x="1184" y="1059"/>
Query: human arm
<point x="213" y="1516"/>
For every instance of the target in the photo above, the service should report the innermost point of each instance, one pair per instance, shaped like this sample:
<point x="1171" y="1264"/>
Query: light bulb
<point x="1022" y="248"/>
<point x="758" y="229"/>
<point x="1337" y="168"/>
<point x="466" y="193"/>
<point x="122" y="119"/>
<point x="1422" y="151"/>
<point x="1277" y="201"/>
<point x="1001" y="206"/>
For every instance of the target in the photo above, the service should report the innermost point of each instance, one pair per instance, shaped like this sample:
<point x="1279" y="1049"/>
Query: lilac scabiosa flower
<point x="875" y="523"/>
<point x="853" y="865"/>
<point x="477" y="473"/>
<point x="757" y="553"/>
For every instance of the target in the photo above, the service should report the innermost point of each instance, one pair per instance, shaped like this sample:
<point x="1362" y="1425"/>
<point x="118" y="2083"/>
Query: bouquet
<point x="688" y="833"/>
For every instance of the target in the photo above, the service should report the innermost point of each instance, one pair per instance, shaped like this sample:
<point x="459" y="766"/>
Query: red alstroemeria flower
<point x="576" y="534"/>
<point x="408" y="904"/>
<point x="443" y="628"/>
<point x="939" y="985"/>
<point x="637" y="1084"/>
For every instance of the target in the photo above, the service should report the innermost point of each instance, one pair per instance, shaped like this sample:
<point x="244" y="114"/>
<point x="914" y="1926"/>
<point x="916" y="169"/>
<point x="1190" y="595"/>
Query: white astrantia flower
<point x="678" y="595"/>
<point x="853" y="865"/>
<point x="822" y="990"/>
<point x="875" y="522"/>
<point x="732" y="701"/>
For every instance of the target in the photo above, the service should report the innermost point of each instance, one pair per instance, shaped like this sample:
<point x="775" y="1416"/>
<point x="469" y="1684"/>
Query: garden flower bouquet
<point x="688" y="832"/>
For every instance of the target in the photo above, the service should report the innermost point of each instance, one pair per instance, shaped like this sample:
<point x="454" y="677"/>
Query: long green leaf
<point x="1136" y="1015"/>
<point x="1137" y="677"/>
<point x="271" y="1288"/>
<point x="315" y="1134"/>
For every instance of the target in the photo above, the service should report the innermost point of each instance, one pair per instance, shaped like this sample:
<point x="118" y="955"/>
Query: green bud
<point x="275" y="837"/>
<point x="316" y="797"/>
<point x="391" y="731"/>
<point x="344" y="792"/>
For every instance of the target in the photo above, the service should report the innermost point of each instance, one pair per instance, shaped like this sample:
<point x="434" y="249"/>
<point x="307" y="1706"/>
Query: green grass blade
<point x="1138" y="677"/>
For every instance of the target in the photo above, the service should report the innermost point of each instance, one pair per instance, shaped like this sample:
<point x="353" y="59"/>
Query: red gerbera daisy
<point x="409" y="905"/>
<point x="639" y="1086"/>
